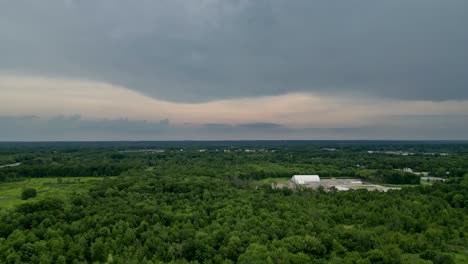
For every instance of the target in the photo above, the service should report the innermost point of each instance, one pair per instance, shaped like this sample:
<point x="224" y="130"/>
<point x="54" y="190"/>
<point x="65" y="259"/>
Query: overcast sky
<point x="233" y="69"/>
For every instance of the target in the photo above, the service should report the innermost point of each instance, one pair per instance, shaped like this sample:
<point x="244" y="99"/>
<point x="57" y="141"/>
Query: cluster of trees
<point x="78" y="170"/>
<point x="349" y="160"/>
<point x="191" y="207"/>
<point x="389" y="176"/>
<point x="159" y="219"/>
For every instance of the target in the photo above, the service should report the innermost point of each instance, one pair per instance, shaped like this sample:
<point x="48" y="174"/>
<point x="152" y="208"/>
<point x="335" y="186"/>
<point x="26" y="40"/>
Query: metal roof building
<point x="305" y="179"/>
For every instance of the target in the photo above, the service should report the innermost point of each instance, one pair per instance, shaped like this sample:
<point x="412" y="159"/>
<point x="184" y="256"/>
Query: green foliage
<point x="28" y="193"/>
<point x="213" y="207"/>
<point x="443" y="259"/>
<point x="196" y="219"/>
<point x="389" y="176"/>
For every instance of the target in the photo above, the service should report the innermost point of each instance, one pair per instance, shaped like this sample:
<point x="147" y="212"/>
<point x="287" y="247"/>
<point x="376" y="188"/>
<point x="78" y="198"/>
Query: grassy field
<point x="10" y="192"/>
<point x="461" y="257"/>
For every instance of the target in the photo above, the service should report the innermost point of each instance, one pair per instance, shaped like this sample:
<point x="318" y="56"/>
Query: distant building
<point x="306" y="179"/>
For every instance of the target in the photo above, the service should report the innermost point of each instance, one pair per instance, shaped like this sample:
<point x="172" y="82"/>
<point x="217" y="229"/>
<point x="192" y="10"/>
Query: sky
<point x="233" y="69"/>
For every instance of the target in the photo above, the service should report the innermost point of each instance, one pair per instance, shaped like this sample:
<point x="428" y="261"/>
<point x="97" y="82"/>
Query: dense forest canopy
<point x="212" y="202"/>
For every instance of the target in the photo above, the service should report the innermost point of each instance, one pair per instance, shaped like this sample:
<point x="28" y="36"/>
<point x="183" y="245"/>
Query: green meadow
<point x="10" y="192"/>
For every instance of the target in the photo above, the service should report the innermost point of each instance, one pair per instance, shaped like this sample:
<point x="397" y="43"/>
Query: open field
<point x="10" y="192"/>
<point x="341" y="184"/>
<point x="355" y="184"/>
<point x="461" y="257"/>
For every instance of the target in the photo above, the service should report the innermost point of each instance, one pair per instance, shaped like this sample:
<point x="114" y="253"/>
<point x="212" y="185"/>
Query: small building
<point x="306" y="179"/>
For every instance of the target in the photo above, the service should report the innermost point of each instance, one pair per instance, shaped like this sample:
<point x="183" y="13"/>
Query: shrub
<point x="28" y="193"/>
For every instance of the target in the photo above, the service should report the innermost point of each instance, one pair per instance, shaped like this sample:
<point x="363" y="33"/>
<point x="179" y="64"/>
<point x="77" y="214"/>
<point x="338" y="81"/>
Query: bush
<point x="443" y="259"/>
<point x="28" y="193"/>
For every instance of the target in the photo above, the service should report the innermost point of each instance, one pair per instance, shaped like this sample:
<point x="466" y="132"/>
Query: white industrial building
<point x="306" y="179"/>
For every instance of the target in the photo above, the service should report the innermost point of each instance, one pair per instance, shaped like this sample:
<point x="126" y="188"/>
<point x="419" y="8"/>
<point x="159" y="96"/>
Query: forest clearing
<point x="10" y="192"/>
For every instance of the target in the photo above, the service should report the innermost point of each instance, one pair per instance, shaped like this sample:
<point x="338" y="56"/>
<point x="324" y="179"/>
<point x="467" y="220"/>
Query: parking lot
<point x="340" y="184"/>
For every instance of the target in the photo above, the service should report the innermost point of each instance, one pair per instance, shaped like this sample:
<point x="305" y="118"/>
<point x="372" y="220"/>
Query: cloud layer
<point x="233" y="69"/>
<point x="94" y="100"/>
<point x="38" y="108"/>
<point x="203" y="50"/>
<point x="73" y="128"/>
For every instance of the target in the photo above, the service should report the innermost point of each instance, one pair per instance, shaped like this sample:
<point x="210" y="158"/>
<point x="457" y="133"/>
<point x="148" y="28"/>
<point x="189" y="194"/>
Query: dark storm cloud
<point x="204" y="50"/>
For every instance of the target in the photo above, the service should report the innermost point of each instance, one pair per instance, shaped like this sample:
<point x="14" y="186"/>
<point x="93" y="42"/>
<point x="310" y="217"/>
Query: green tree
<point x="98" y="251"/>
<point x="443" y="259"/>
<point x="28" y="193"/>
